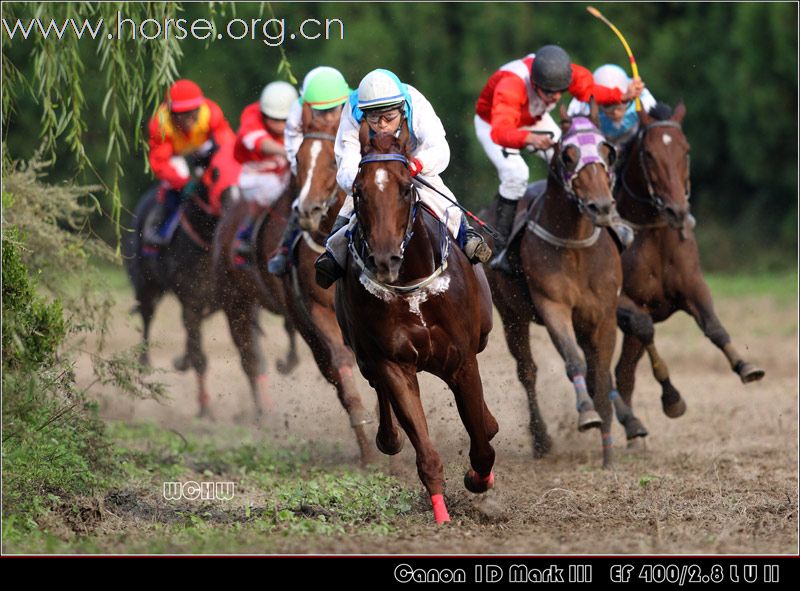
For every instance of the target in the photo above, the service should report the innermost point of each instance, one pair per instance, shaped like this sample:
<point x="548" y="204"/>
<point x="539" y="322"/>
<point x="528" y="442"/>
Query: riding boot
<point x="475" y="246"/>
<point x="153" y="223"/>
<point x="506" y="211"/>
<point x="328" y="270"/>
<point x="279" y="264"/>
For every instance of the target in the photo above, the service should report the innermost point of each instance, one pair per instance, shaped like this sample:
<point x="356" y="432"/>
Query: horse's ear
<point x="644" y="118"/>
<point x="566" y="121"/>
<point x="404" y="136"/>
<point x="593" y="112"/>
<point x="363" y="135"/>
<point x="307" y="116"/>
<point x="679" y="113"/>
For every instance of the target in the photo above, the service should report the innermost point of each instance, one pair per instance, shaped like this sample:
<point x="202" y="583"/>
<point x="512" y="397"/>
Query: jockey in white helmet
<point x="385" y="102"/>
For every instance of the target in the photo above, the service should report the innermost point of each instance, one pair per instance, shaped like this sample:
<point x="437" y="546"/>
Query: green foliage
<point x="32" y="328"/>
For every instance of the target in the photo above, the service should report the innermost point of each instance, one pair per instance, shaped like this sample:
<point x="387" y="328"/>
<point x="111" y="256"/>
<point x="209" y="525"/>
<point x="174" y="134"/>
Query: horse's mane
<point x="660" y="112"/>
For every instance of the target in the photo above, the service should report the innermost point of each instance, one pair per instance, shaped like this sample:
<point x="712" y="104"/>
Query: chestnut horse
<point x="568" y="276"/>
<point x="242" y="291"/>
<point x="662" y="267"/>
<point x="310" y="306"/>
<point x="410" y="301"/>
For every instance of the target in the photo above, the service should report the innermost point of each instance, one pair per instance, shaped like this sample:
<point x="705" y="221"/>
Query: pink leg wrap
<point x="440" y="513"/>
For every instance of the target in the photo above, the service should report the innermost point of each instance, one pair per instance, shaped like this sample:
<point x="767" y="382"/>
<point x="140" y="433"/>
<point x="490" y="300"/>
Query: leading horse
<point x="410" y="301"/>
<point x="568" y="276"/>
<point x="662" y="267"/>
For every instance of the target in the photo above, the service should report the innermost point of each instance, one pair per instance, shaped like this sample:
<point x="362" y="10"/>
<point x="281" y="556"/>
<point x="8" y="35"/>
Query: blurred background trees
<point x="734" y="65"/>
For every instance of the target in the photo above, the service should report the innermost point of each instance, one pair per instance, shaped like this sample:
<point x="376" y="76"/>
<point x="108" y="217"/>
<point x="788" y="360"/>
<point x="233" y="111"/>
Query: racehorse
<point x="410" y="301"/>
<point x="242" y="291"/>
<point x="181" y="267"/>
<point x="310" y="306"/>
<point x="568" y="276"/>
<point x="661" y="268"/>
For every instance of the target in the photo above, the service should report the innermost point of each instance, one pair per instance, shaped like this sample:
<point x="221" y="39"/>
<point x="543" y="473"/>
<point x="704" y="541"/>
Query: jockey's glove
<point x="190" y="189"/>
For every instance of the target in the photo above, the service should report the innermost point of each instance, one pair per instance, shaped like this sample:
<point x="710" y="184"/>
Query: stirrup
<point x="500" y="263"/>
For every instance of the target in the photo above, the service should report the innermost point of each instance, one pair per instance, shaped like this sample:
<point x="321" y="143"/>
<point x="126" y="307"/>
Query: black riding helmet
<point x="552" y="69"/>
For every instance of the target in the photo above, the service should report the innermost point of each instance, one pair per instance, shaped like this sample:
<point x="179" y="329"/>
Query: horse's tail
<point x="132" y="241"/>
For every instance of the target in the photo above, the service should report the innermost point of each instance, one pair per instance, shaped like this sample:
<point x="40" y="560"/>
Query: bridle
<point x="334" y="195"/>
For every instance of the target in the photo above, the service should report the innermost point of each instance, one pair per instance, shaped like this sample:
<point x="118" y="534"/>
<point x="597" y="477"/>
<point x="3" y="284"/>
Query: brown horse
<point x="310" y="306"/>
<point x="662" y="267"/>
<point x="243" y="290"/>
<point x="568" y="276"/>
<point x="410" y="302"/>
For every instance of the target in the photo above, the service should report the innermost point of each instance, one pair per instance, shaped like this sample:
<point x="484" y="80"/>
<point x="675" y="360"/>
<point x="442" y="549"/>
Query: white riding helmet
<point x="379" y="88"/>
<point x="276" y="99"/>
<point x="611" y="76"/>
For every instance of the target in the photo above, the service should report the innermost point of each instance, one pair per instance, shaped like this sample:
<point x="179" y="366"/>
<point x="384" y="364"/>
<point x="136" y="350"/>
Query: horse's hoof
<point x="144" y="361"/>
<point x="181" y="363"/>
<point x="205" y="413"/>
<point x="388" y="450"/>
<point x="634" y="428"/>
<point x="749" y="373"/>
<point x="475" y="484"/>
<point x="542" y="444"/>
<point x="674" y="410"/>
<point x="588" y="419"/>
<point x="287" y="366"/>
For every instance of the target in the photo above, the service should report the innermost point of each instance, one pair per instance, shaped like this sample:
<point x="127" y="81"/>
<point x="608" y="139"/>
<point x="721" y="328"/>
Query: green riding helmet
<point x="326" y="89"/>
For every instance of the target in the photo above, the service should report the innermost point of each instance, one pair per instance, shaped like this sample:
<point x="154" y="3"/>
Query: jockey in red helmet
<point x="187" y="127"/>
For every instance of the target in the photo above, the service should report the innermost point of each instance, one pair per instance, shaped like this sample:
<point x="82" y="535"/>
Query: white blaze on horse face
<point x="316" y="148"/>
<point x="667" y="139"/>
<point x="381" y="177"/>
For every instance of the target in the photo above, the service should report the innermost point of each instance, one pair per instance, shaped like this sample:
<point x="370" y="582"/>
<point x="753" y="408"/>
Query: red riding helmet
<point x="184" y="95"/>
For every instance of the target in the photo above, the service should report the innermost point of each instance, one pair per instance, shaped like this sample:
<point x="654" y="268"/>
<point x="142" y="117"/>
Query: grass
<point x="279" y="491"/>
<point x="780" y="285"/>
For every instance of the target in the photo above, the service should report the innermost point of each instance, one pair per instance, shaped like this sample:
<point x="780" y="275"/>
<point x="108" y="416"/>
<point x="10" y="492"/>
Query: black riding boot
<point x="504" y="220"/>
<point x="153" y="223"/>
<point x="279" y="264"/>
<point x="328" y="270"/>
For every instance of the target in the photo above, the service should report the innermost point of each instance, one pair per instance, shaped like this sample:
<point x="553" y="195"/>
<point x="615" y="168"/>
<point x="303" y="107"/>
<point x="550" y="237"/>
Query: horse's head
<point x="316" y="170"/>
<point x="583" y="164"/>
<point x="663" y="155"/>
<point x="384" y="200"/>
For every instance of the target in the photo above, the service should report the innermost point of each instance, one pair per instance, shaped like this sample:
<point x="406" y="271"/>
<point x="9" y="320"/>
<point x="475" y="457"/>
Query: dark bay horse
<point x="568" y="276"/>
<point x="410" y="302"/>
<point x="662" y="267"/>
<point x="242" y="291"/>
<point x="184" y="268"/>
<point x="310" y="306"/>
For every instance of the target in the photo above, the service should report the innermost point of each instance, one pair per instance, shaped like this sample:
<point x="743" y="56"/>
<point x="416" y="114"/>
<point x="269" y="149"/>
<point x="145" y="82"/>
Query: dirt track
<point x="721" y="479"/>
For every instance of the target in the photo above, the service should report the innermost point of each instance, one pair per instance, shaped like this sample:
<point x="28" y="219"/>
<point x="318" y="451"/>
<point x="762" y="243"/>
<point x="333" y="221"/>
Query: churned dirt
<point x="720" y="479"/>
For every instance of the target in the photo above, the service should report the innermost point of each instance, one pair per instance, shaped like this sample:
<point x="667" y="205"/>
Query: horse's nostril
<point x="395" y="260"/>
<point x="371" y="261"/>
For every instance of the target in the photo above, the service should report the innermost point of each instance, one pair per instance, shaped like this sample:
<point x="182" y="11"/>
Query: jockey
<point x="619" y="122"/>
<point x="385" y="103"/>
<point x="324" y="90"/>
<point x="260" y="149"/>
<point x="514" y="105"/>
<point x="186" y="127"/>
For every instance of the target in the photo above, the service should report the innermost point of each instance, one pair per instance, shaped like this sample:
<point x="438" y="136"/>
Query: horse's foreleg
<point x="700" y="305"/>
<point x="192" y="320"/>
<point x="147" y="308"/>
<point x="242" y="316"/>
<point x="558" y="320"/>
<point x="639" y="331"/>
<point x="285" y="366"/>
<point x="518" y="339"/>
<point x="402" y="389"/>
<point x="468" y="390"/>
<point x="336" y="362"/>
